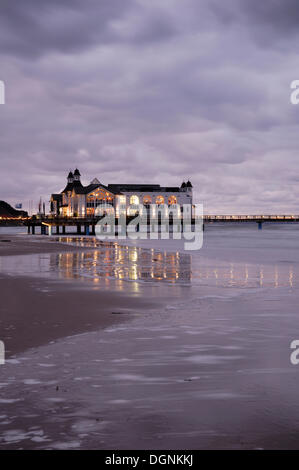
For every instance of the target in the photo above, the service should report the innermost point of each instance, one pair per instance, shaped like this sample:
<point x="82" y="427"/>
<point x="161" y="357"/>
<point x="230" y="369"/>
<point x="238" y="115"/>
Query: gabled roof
<point x="78" y="188"/>
<point x="91" y="187"/>
<point x="95" y="181"/>
<point x="76" y="185"/>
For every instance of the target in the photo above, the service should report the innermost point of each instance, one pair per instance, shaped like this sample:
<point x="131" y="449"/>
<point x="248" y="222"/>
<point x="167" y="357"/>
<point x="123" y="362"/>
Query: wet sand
<point x="203" y="363"/>
<point x="11" y="245"/>
<point x="36" y="311"/>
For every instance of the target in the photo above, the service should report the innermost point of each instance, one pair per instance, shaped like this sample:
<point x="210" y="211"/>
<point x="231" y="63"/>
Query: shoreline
<point x="12" y="245"/>
<point x="35" y="311"/>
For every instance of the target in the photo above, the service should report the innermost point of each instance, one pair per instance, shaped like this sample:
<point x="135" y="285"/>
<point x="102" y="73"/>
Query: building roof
<point x="92" y="186"/>
<point x="188" y="184"/>
<point x="150" y="188"/>
<point x="119" y="188"/>
<point x="76" y="185"/>
<point x="56" y="197"/>
<point x="134" y="187"/>
<point x="69" y="187"/>
<point x="171" y="189"/>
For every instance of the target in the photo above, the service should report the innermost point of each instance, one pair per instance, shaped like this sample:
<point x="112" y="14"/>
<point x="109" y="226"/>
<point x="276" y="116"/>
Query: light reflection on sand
<point x="112" y="263"/>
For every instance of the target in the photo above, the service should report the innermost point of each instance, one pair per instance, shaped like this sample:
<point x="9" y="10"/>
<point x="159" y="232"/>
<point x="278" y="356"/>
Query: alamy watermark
<point x="156" y="221"/>
<point x="2" y="92"/>
<point x="294" y="97"/>
<point x="294" y="357"/>
<point x="2" y="353"/>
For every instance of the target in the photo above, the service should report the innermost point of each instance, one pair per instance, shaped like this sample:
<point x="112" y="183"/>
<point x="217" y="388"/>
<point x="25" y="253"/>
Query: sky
<point x="159" y="91"/>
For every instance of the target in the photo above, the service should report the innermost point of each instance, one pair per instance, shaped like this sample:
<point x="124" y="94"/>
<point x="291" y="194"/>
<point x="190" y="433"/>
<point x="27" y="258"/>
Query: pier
<point x="56" y="226"/>
<point x="49" y="225"/>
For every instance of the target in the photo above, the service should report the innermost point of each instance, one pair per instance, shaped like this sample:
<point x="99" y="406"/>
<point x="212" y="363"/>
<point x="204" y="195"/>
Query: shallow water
<point x="209" y="369"/>
<point x="13" y="230"/>
<point x="231" y="256"/>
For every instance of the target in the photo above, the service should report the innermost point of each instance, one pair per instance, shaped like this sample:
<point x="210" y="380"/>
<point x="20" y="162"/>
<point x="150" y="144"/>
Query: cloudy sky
<point x="152" y="91"/>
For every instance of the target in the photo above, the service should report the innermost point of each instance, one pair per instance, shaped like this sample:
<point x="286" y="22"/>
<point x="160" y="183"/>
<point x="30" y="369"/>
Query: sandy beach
<point x="12" y="245"/>
<point x="35" y="311"/>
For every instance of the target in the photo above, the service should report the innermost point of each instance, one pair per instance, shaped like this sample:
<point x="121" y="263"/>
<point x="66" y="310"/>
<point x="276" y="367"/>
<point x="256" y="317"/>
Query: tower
<point x="183" y="186"/>
<point x="70" y="178"/>
<point x="189" y="186"/>
<point x="77" y="175"/>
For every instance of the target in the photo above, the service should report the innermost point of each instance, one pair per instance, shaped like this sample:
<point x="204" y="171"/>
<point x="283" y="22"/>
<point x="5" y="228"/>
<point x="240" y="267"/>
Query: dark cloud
<point x="37" y="27"/>
<point x="159" y="91"/>
<point x="280" y="16"/>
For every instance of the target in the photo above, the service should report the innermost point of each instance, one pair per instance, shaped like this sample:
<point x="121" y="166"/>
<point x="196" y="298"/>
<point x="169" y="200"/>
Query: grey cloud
<point x="36" y="27"/>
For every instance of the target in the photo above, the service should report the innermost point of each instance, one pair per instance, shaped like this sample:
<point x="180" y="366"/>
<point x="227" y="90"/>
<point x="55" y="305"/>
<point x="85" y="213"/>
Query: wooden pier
<point x="56" y="226"/>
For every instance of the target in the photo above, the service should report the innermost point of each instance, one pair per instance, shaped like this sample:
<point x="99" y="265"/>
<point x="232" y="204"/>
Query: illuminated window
<point x="147" y="200"/>
<point x="172" y="200"/>
<point x="134" y="200"/>
<point x="159" y="200"/>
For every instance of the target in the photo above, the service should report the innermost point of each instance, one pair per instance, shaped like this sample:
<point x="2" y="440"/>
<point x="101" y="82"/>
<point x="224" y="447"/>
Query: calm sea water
<point x="12" y="230"/>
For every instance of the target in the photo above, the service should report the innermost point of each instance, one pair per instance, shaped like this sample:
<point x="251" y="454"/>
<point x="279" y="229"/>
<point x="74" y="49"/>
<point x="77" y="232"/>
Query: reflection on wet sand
<point x="118" y="264"/>
<point x="244" y="275"/>
<point x="137" y="264"/>
<point x="123" y="263"/>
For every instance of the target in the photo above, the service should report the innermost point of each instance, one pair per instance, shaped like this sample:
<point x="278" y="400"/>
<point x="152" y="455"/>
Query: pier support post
<point x="260" y="225"/>
<point x="93" y="229"/>
<point x="57" y="229"/>
<point x="86" y="229"/>
<point x="33" y="229"/>
<point x="28" y="229"/>
<point x="79" y="229"/>
<point x="63" y="229"/>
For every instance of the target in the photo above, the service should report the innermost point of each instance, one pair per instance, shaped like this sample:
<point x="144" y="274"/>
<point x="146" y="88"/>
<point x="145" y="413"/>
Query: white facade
<point x="77" y="200"/>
